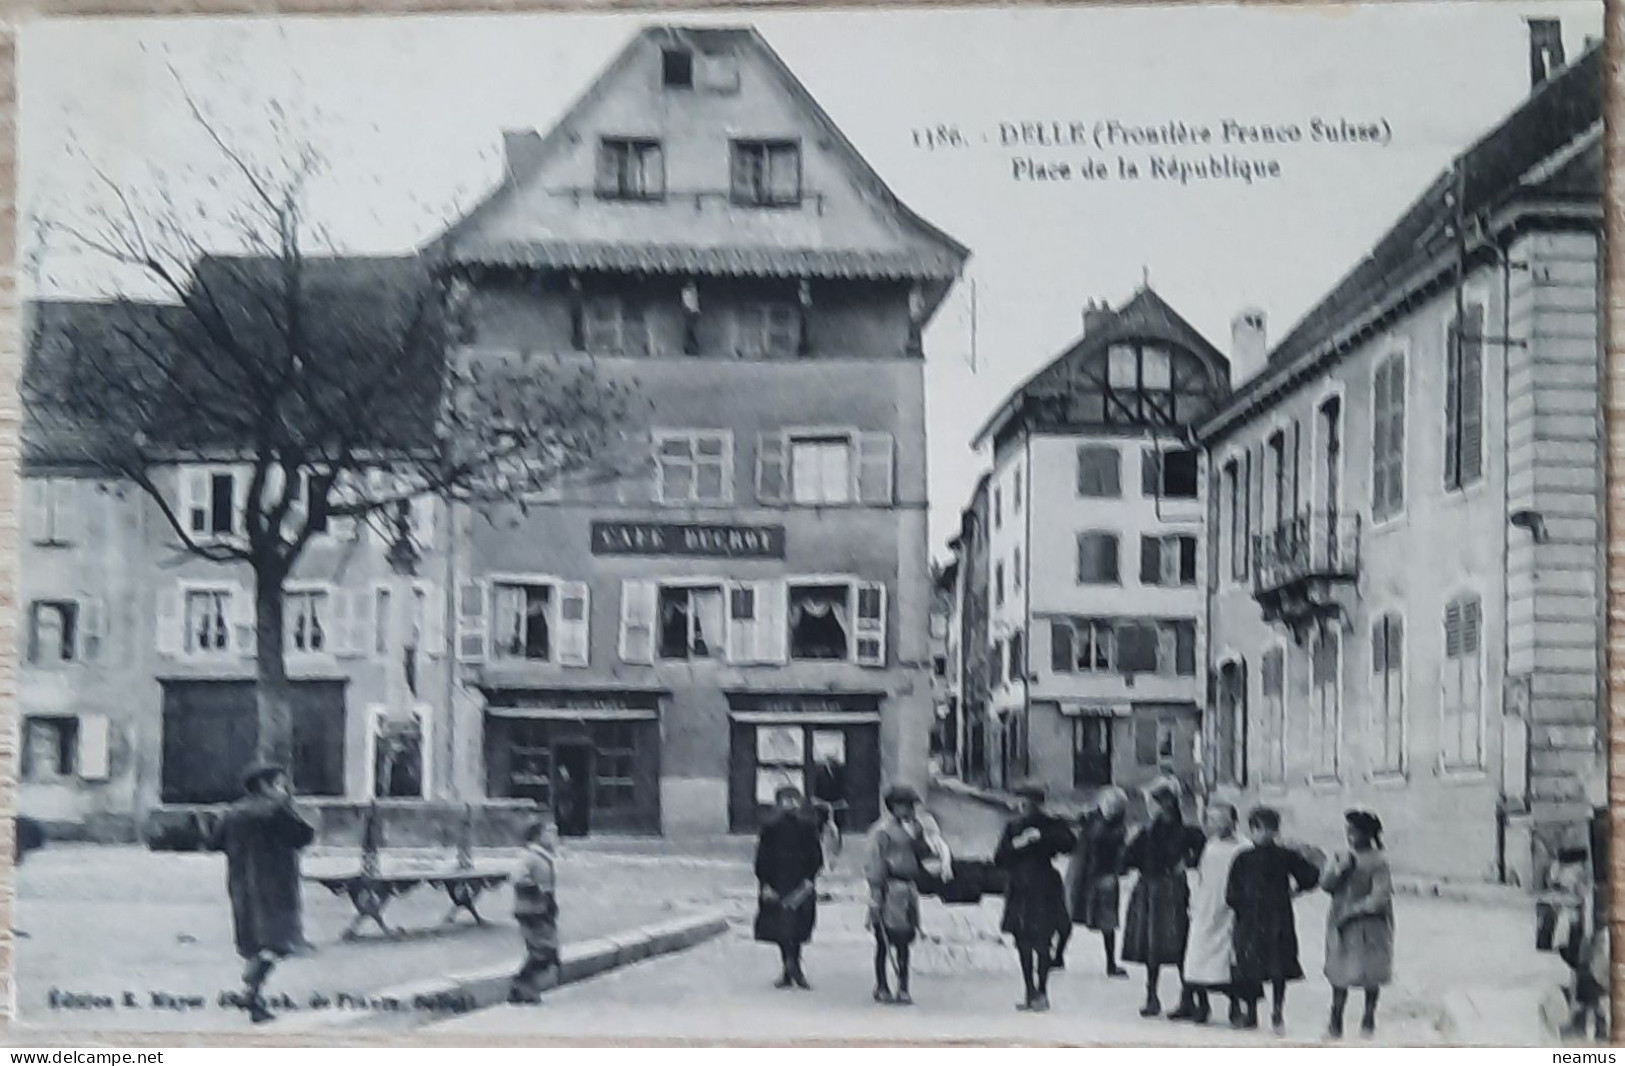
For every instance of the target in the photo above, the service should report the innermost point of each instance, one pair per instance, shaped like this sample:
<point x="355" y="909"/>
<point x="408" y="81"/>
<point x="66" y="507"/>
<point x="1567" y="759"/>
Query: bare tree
<point x="331" y="382"/>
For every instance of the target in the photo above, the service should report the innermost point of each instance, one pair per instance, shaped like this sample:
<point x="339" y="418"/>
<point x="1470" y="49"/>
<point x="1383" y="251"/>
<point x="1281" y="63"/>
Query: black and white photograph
<point x="1043" y="525"/>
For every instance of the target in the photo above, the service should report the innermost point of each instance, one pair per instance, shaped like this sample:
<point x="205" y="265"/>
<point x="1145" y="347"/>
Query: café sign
<point x="691" y="539"/>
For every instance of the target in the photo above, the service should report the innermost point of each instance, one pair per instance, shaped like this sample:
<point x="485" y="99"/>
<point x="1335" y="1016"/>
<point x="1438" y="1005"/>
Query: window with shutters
<point x="1272" y="716"/>
<point x="998" y="583"/>
<point x="1235" y="491"/>
<point x="1100" y="471"/>
<point x="1168" y="475"/>
<point x="767" y="330"/>
<point x="52" y="632"/>
<point x="52" y="509"/>
<point x="820" y="622"/>
<point x="693" y="466"/>
<point x="50" y="747"/>
<point x="1018" y="656"/>
<point x="766" y="173"/>
<point x="522" y="620"/>
<point x="1082" y="645"/>
<point x="1168" y="561"/>
<point x="1176" y="648"/>
<point x="631" y="168"/>
<point x="1015" y="569"/>
<point x="306" y="621"/>
<point x="1097" y="559"/>
<point x="208" y="618"/>
<point x="1015" y="491"/>
<point x="821" y="470"/>
<point x="1464" y="397"/>
<point x="612" y="324"/>
<point x="690" y="622"/>
<point x="213" y="502"/>
<point x="998" y="508"/>
<point x="1388" y="438"/>
<point x="1147" y="740"/>
<point x="1326" y="703"/>
<point x="1388" y="694"/>
<point x="1279" y="510"/>
<point x="1462" y="687"/>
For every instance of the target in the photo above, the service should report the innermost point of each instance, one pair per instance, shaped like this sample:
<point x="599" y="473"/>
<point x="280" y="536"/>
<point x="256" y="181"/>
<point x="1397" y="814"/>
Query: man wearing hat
<point x="898" y="848"/>
<point x="261" y="835"/>
<point x="1035" y="911"/>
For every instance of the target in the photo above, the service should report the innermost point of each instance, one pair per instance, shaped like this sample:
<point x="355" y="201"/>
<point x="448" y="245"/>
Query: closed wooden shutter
<point x="1150" y="561"/>
<point x="473" y="621"/>
<point x="1452" y="408"/>
<point x="639" y="602"/>
<point x="869" y="609"/>
<point x="1472" y="393"/>
<point x="95" y="739"/>
<point x="875" y="466"/>
<point x="1100" y="471"/>
<point x="1097" y="558"/>
<point x="1061" y="654"/>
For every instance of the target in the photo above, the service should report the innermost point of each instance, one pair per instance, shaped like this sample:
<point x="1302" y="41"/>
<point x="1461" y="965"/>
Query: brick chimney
<point x="1249" y="344"/>
<point x="521" y="151"/>
<point x="1545" y="50"/>
<point x="1095" y="314"/>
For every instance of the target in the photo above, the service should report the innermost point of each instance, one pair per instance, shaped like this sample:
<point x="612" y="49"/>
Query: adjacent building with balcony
<point x="1406" y="512"/>
<point x="1094" y="549"/>
<point x="744" y="603"/>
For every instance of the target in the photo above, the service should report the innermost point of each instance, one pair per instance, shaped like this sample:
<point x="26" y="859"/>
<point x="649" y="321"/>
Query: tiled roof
<point x="764" y="261"/>
<point x="1489" y="176"/>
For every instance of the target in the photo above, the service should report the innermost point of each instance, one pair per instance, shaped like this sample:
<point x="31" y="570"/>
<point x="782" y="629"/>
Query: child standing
<point x="1092" y="876"/>
<point x="1159" y="907"/>
<point x="1210" y="948"/>
<point x="1263" y="880"/>
<point x="1360" y="924"/>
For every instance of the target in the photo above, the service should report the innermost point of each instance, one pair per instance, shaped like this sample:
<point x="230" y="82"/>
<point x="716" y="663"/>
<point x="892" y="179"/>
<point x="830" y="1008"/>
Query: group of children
<point x="1219" y="909"/>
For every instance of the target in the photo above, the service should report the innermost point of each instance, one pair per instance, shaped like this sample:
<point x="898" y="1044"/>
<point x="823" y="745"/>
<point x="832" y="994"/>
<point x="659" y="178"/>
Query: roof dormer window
<point x="677" y="68"/>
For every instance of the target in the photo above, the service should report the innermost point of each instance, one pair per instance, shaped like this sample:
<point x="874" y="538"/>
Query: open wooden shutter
<point x="359" y="639"/>
<point x="607" y="177"/>
<point x="772" y="638"/>
<point x="869" y="622"/>
<point x="95" y="735"/>
<point x="240" y="616"/>
<point x="772" y="469"/>
<point x="432" y="633"/>
<point x="169" y="621"/>
<point x="92" y="628"/>
<point x="742" y="613"/>
<point x="473" y="621"/>
<point x="574" y="623"/>
<point x="1061" y="653"/>
<point x="639" y="601"/>
<point x="875" y="463"/>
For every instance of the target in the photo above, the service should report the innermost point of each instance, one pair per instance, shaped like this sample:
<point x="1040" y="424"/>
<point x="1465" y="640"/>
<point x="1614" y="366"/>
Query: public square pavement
<point x="105" y="921"/>
<point x="109" y="920"/>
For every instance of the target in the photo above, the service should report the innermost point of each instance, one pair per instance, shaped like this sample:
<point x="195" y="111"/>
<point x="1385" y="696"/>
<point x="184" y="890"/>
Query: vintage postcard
<point x="1066" y="525"/>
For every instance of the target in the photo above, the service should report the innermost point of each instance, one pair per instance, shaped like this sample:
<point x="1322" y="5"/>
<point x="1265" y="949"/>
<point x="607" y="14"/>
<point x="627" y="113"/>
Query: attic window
<point x="677" y="68"/>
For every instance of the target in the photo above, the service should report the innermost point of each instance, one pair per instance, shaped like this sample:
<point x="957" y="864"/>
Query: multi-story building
<point x="746" y="605"/>
<point x="1407" y="511"/>
<point x="138" y="666"/>
<point x="1094" y="543"/>
<point x="971" y="668"/>
<point x="943" y="648"/>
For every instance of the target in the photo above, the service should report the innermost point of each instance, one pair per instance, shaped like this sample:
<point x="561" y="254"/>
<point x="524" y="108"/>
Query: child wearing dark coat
<point x="1263" y="881"/>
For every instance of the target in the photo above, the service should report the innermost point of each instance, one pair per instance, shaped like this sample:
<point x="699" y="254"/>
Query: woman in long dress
<point x="1209" y="950"/>
<point x="1158" y="908"/>
<point x="1093" y="875"/>
<point x="1360" y="923"/>
<point x="788" y="860"/>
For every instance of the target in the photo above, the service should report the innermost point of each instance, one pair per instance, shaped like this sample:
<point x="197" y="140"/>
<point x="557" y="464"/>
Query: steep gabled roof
<point x="1547" y="149"/>
<point x="572" y="230"/>
<point x="1146" y="316"/>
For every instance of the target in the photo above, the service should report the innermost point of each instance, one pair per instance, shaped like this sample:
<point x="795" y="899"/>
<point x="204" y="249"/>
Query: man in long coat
<point x="262" y="834"/>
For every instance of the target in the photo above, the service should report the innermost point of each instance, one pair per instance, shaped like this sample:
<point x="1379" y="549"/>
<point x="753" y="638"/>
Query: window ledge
<point x="1320" y="783"/>
<point x="1389" y="779"/>
<point x="1461" y="775"/>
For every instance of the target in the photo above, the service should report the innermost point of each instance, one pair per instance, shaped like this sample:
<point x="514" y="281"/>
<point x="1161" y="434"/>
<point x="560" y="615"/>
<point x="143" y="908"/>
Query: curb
<point x="438" y="999"/>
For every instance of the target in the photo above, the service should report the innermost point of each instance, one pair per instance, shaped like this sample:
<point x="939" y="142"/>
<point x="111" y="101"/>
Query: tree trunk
<point x="273" y="695"/>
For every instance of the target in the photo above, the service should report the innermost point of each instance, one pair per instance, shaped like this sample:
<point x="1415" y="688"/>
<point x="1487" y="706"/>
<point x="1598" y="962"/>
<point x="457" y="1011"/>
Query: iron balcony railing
<point x="1310" y="545"/>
